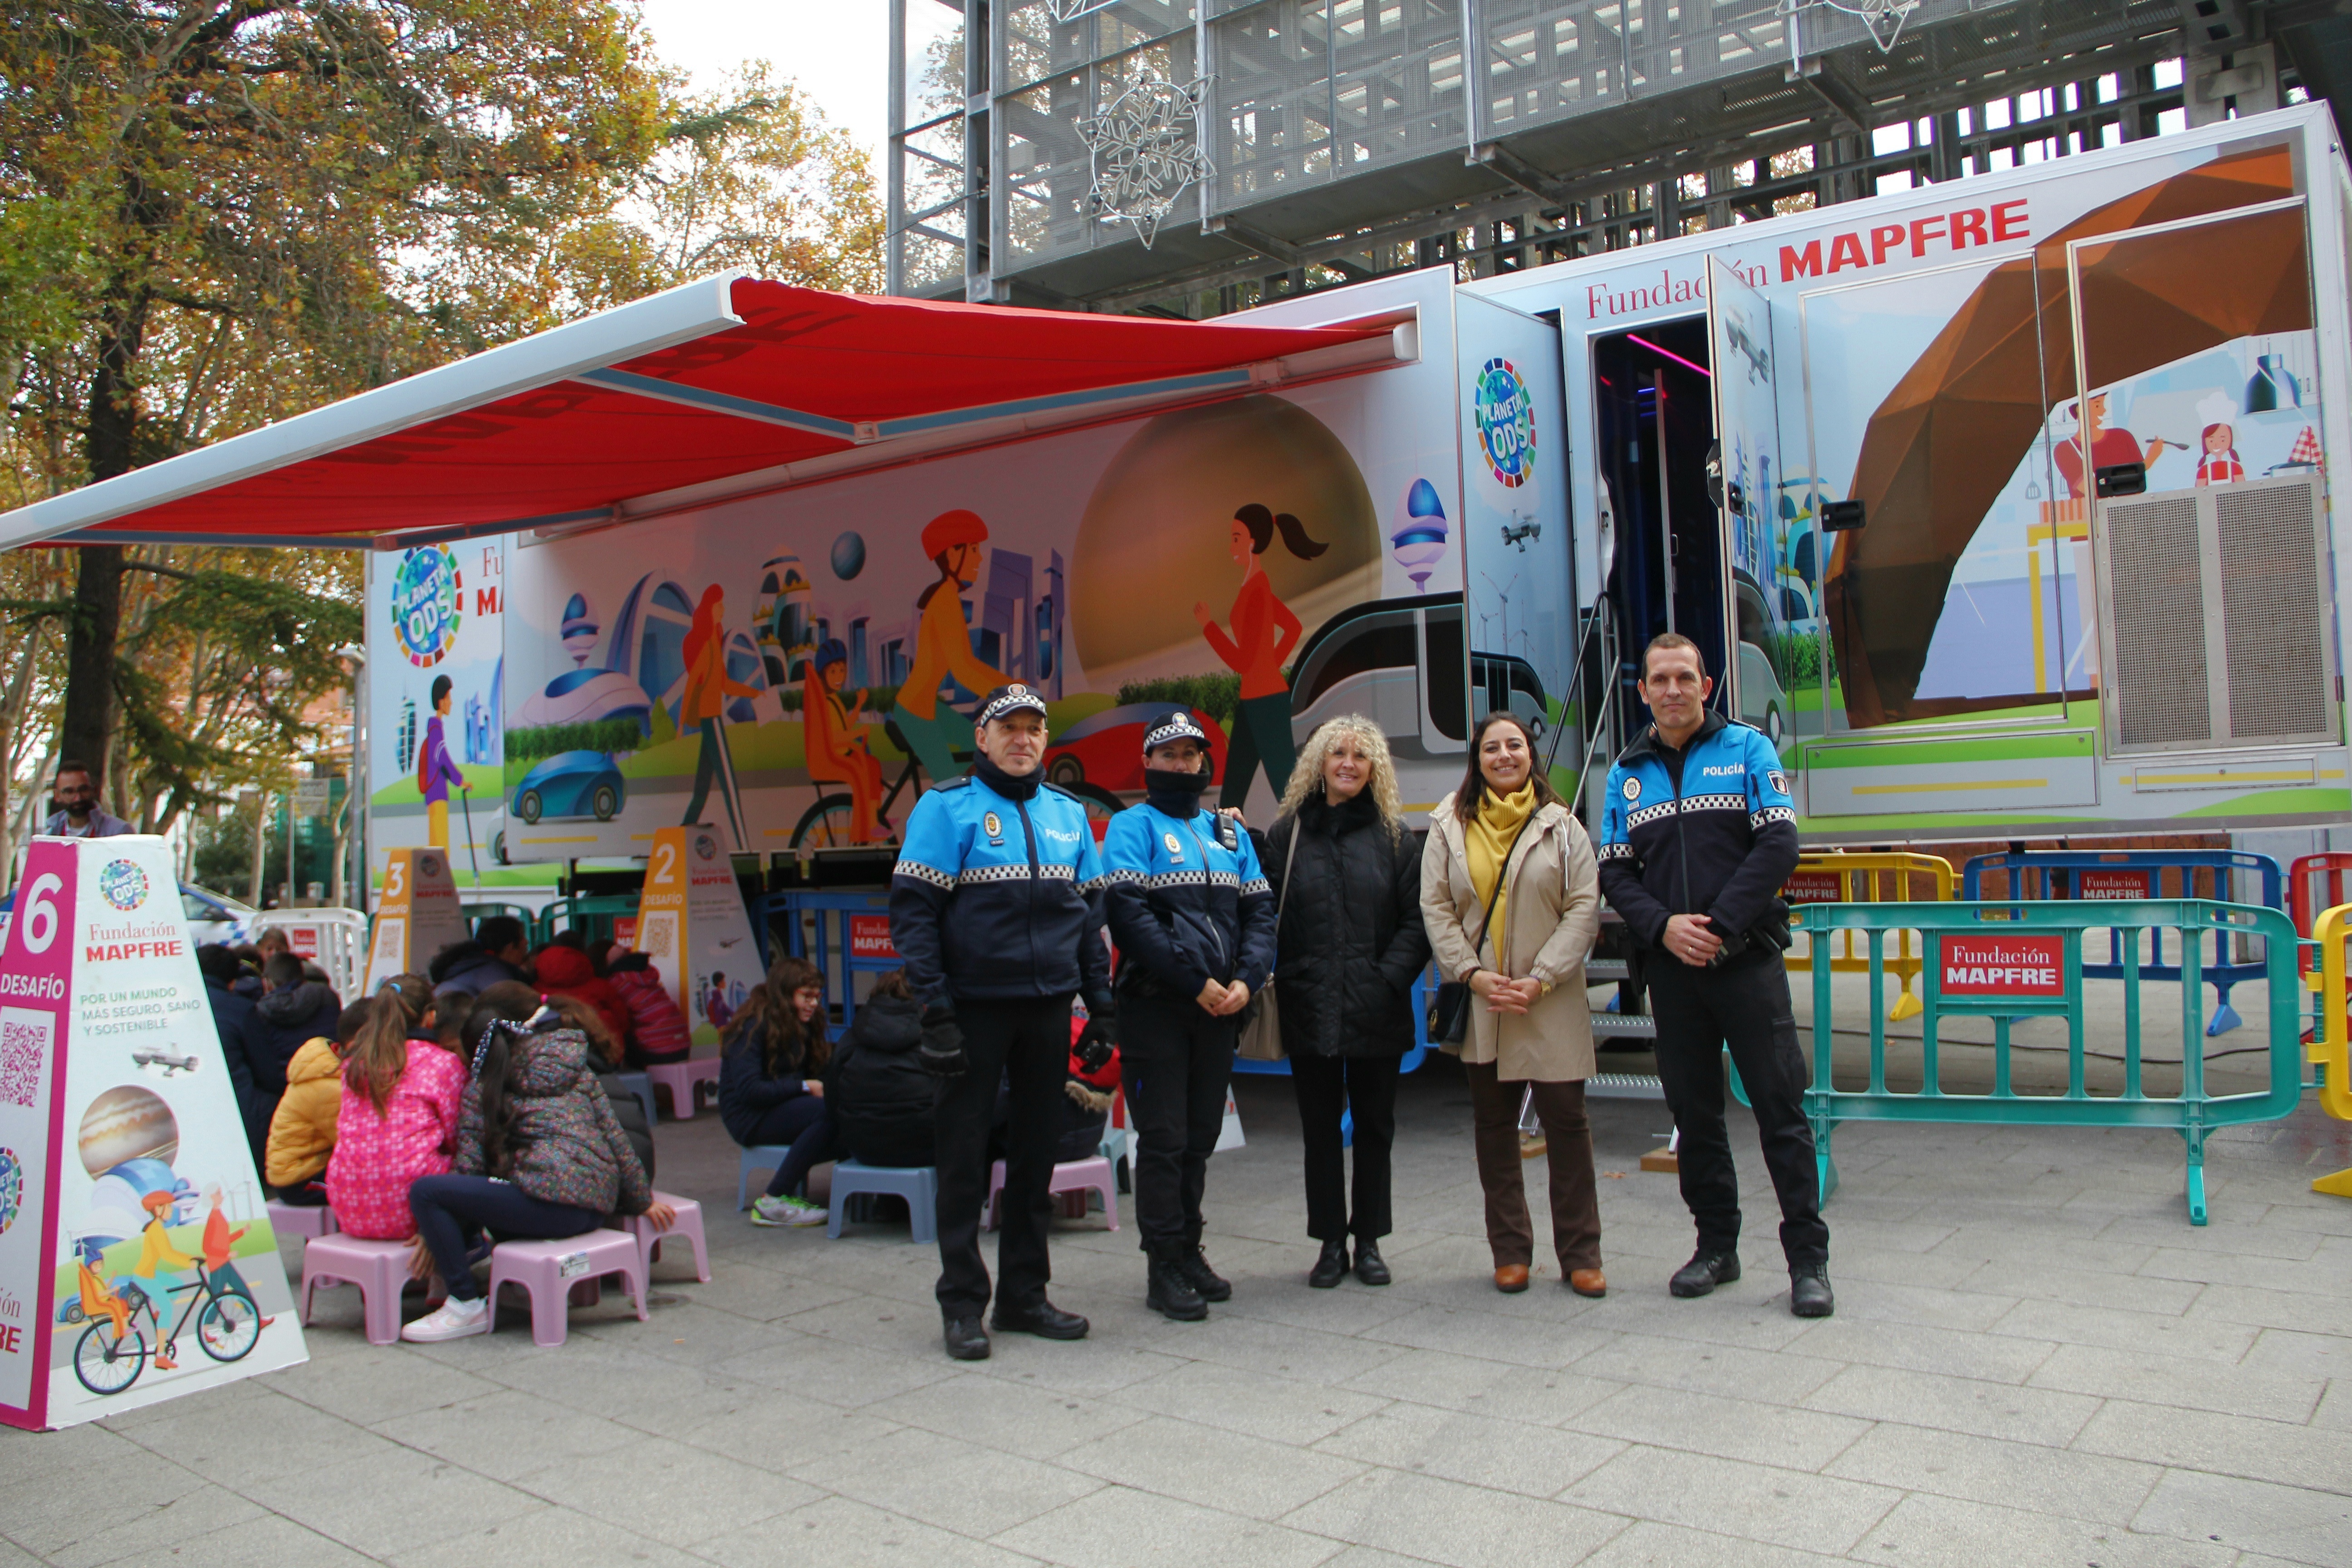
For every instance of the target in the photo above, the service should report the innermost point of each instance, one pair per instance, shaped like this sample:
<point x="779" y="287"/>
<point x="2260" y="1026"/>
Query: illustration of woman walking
<point x="704" y="705"/>
<point x="435" y="769"/>
<point x="1263" y="634"/>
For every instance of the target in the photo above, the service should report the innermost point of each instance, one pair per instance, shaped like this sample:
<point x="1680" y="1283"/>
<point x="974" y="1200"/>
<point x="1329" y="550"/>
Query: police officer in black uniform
<point x="996" y="907"/>
<point x="1697" y="838"/>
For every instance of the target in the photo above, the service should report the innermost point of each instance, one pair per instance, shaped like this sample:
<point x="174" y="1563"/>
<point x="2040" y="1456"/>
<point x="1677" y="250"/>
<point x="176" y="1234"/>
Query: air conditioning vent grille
<point x="2273" y="624"/>
<point x="2157" y="677"/>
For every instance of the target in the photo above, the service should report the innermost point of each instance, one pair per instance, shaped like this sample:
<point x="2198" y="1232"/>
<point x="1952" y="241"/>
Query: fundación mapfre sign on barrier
<point x="2001" y="966"/>
<point x="137" y="1261"/>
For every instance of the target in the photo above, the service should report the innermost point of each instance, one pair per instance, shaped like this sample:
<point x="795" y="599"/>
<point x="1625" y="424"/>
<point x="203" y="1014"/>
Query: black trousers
<point x="1026" y="1043"/>
<point x="1743" y="1005"/>
<point x="1326" y="1087"/>
<point x="1176" y="1063"/>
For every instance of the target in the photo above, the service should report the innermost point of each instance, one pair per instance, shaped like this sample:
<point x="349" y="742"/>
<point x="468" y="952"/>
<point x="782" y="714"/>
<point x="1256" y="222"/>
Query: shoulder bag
<point x="1449" y="1009"/>
<point x="1261" y="1036"/>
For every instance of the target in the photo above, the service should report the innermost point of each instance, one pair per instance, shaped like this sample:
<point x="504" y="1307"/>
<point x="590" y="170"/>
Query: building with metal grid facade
<point x="1192" y="157"/>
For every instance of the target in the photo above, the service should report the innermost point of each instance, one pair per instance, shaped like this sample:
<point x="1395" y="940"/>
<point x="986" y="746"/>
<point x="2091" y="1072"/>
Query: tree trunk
<point x="88" y="726"/>
<point x="110" y="446"/>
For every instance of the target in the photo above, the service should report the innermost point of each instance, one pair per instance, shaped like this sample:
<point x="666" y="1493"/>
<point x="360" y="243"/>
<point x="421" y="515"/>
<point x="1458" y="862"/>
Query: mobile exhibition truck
<point x="2000" y="505"/>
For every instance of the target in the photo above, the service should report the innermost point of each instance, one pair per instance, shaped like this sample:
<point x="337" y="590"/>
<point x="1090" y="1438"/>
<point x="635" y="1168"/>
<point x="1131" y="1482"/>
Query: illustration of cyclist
<point x="156" y="1252"/>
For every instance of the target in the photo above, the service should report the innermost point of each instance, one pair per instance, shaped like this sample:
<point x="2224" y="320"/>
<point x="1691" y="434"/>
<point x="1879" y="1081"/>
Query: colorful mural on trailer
<point x="788" y="670"/>
<point x="1919" y="356"/>
<point x="435" y="701"/>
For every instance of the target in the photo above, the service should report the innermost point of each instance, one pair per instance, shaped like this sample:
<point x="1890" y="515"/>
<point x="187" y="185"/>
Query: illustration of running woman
<point x="704" y="706"/>
<point x="1264" y="635"/>
<point x="954" y="541"/>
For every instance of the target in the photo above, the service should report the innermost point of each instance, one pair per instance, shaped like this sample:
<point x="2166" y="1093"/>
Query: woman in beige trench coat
<point x="1530" y="1025"/>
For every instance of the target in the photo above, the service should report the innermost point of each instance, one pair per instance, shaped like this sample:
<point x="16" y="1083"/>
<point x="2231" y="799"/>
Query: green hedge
<point x="1218" y="695"/>
<point x="530" y="742"/>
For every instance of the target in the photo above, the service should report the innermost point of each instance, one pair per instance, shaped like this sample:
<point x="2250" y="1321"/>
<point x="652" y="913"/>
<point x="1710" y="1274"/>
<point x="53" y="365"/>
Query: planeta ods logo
<point x="1507" y="425"/>
<point x="123" y="884"/>
<point x="427" y="605"/>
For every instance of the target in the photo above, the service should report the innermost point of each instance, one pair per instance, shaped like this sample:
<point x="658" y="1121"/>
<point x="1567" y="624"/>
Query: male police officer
<point x="1193" y="918"/>
<point x="996" y="907"/>
<point x="1697" y="838"/>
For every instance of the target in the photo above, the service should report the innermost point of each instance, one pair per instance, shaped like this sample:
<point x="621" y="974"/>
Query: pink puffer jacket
<point x="376" y="1157"/>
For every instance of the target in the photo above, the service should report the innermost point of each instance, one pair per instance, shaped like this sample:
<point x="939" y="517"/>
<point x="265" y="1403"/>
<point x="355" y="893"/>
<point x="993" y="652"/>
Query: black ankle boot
<point x="1703" y="1272"/>
<point x="1167" y="1292"/>
<point x="1193" y="1264"/>
<point x="1331" y="1267"/>
<point x="1371" y="1267"/>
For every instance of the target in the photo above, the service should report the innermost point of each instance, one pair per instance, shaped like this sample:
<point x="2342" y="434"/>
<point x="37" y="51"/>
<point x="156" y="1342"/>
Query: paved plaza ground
<point x="2035" y="1360"/>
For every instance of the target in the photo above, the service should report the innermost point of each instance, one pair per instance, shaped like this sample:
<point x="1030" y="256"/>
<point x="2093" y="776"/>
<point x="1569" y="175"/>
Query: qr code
<point x="23" y="1041"/>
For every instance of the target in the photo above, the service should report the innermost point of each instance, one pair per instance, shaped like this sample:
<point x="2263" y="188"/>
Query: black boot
<point x="1808" y="1290"/>
<point x="1168" y="1292"/>
<point x="966" y="1339"/>
<point x="1331" y="1267"/>
<point x="1371" y="1267"/>
<point x="1703" y="1272"/>
<point x="1045" y="1320"/>
<point x="1193" y="1264"/>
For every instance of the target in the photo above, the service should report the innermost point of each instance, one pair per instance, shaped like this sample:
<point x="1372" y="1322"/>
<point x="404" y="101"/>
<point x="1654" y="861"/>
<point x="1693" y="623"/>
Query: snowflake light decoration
<point x="1144" y="150"/>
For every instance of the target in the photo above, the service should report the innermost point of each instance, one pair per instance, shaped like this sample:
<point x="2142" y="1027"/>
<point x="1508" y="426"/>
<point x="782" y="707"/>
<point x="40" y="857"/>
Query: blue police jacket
<point x="1183" y="909"/>
<point x="1711" y="831"/>
<point x="999" y="898"/>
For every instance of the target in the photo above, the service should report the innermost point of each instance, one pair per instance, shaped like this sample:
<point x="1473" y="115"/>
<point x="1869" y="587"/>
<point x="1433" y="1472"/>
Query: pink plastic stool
<point x="686" y="1228"/>
<point x="297" y="1219"/>
<point x="1072" y="1179"/>
<point x="540" y="1269"/>
<point x="378" y="1268"/>
<point x="681" y="1080"/>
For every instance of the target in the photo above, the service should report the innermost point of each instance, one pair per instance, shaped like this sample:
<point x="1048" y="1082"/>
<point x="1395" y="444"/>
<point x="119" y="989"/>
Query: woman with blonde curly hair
<point x="1347" y="876"/>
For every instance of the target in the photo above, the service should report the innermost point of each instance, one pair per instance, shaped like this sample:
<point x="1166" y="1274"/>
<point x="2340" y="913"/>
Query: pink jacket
<point x="376" y="1157"/>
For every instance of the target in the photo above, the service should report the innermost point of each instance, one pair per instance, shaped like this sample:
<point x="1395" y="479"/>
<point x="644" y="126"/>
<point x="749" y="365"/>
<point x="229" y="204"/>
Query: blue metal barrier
<point x="2141" y="874"/>
<point x="838" y="916"/>
<point x="2005" y="962"/>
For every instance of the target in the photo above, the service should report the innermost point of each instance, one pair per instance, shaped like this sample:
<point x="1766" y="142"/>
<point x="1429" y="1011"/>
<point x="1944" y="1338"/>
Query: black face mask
<point x="1178" y="794"/>
<point x="1004" y="783"/>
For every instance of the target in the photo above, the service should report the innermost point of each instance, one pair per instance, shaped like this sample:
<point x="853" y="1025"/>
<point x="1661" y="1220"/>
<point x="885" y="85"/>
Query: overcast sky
<point x="837" y="50"/>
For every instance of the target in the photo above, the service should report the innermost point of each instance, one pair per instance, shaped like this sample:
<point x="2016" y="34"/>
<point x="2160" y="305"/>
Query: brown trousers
<point x="1575" y="1201"/>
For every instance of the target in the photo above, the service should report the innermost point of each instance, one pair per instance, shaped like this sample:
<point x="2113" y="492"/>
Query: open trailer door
<point x="1762" y="517"/>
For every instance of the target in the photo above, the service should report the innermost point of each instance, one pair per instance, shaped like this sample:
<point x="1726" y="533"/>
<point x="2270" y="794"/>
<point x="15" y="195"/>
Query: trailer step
<point x="1623" y="1085"/>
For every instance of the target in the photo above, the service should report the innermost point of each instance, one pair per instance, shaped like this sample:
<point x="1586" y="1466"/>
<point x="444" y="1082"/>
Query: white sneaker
<point x="787" y="1210"/>
<point x="453" y="1319"/>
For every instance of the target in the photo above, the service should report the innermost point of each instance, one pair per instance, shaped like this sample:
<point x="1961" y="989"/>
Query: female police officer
<point x="1194" y="919"/>
<point x="995" y="905"/>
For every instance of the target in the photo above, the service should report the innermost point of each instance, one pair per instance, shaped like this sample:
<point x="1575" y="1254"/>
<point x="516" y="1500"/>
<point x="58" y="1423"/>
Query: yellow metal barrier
<point x="1869" y="878"/>
<point x="2327" y="1049"/>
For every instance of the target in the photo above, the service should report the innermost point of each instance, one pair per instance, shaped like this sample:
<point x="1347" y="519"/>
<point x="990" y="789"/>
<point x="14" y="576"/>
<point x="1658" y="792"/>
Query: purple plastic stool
<point x="549" y="1271"/>
<point x="378" y="1268"/>
<point x="302" y="1220"/>
<point x="1072" y="1178"/>
<point x="681" y="1078"/>
<point x="686" y="1228"/>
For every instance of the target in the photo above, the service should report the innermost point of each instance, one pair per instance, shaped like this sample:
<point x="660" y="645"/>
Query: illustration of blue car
<point x="572" y="784"/>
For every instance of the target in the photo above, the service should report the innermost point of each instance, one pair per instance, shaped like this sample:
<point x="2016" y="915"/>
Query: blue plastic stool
<point x="767" y="1157"/>
<point x="641" y="1085"/>
<point x="919" y="1184"/>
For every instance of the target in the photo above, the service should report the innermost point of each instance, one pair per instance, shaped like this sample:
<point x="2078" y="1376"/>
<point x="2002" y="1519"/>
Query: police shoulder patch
<point x="1780" y="781"/>
<point x="1633" y="787"/>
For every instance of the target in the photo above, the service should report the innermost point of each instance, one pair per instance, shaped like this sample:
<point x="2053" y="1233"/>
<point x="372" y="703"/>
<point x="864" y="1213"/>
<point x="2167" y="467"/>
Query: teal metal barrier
<point x="475" y="911"/>
<point x="2009" y="960"/>
<point x="589" y="914"/>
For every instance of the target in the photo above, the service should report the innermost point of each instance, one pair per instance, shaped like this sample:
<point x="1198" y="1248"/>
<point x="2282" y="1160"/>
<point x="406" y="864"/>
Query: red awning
<point x="726" y="386"/>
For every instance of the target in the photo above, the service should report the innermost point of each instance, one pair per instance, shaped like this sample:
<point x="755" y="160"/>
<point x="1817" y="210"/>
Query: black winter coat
<point x="876" y="1088"/>
<point x="1351" y="941"/>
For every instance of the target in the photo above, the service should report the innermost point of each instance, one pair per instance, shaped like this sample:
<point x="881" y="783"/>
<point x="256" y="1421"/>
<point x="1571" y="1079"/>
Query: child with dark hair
<point x="770" y="1088"/>
<point x="302" y="1129"/>
<point x="540" y="1155"/>
<point x="398" y="1117"/>
<point x="658" y="1031"/>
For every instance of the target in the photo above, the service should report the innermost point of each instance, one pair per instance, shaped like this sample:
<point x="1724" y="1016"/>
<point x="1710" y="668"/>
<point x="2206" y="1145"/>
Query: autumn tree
<point x="203" y="196"/>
